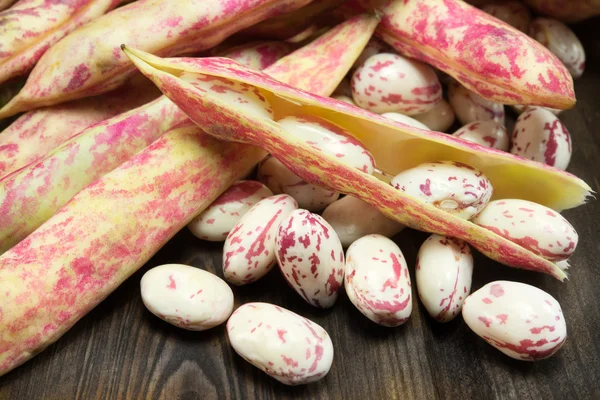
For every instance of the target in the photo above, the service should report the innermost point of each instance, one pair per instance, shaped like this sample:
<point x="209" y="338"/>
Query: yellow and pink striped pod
<point x="30" y="27"/>
<point x="88" y="61"/>
<point x="37" y="132"/>
<point x="395" y="147"/>
<point x="112" y="227"/>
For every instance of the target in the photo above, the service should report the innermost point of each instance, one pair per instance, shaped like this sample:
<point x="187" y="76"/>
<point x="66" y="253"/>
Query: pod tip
<point x="123" y="47"/>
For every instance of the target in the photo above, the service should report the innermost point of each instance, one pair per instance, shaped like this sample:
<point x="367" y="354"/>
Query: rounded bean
<point x="485" y="133"/>
<point x="439" y="118"/>
<point x="471" y="107"/>
<point x="513" y="13"/>
<point x="405" y="119"/>
<point x="561" y="41"/>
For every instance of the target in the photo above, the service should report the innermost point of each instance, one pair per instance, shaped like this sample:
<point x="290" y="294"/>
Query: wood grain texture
<point x="121" y="351"/>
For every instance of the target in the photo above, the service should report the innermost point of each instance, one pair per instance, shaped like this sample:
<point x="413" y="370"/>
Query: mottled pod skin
<point x="405" y="119"/>
<point x="561" y="41"/>
<point x="470" y="107"/>
<point x="31" y="195"/>
<point x="384" y="139"/>
<point x="64" y="269"/>
<point x="377" y="280"/>
<point x="283" y="344"/>
<point x="89" y="60"/>
<point x="31" y="27"/>
<point x="187" y="297"/>
<point x="352" y="218"/>
<point x="540" y="136"/>
<point x="389" y="82"/>
<point x="280" y="179"/>
<point x="485" y="133"/>
<point x="520" y="320"/>
<point x="310" y="257"/>
<point x="513" y="13"/>
<point x="37" y="132"/>
<point x="322" y="136"/>
<point x="444" y="273"/>
<point x="249" y="250"/>
<point x="448" y="185"/>
<point x="568" y="11"/>
<point x="484" y="54"/>
<point x="215" y="223"/>
<point x="533" y="226"/>
<point x="181" y="174"/>
<point x="259" y="55"/>
<point x="439" y="118"/>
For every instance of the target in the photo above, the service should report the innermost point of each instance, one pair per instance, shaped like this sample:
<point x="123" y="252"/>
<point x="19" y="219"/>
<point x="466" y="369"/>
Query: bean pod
<point x="520" y="320"/>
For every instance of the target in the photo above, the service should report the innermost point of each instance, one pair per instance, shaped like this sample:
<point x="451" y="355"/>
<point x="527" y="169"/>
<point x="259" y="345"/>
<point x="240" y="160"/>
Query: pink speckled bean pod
<point x="159" y="190"/>
<point x="310" y="257"/>
<point x="259" y="55"/>
<point x="89" y="60"/>
<point x="31" y="27"/>
<point x="568" y="11"/>
<point x="31" y="195"/>
<point x="40" y="131"/>
<point x="486" y="55"/>
<point x="106" y="232"/>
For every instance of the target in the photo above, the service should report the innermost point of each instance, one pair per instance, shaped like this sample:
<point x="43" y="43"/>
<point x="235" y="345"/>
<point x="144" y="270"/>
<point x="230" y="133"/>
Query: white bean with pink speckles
<point x="215" y="223"/>
<point x="561" y="41"/>
<point x="485" y="133"/>
<point x="520" y="109"/>
<point x="444" y="273"/>
<point x="284" y="345"/>
<point x="470" y="107"/>
<point x="310" y="257"/>
<point x="540" y="136"/>
<point x="439" y="118"/>
<point x="187" y="297"/>
<point x="405" y="119"/>
<point x="321" y="135"/>
<point x="377" y="280"/>
<point x="374" y="46"/>
<point x="391" y="83"/>
<point x="451" y="186"/>
<point x="537" y="228"/>
<point x="520" y="320"/>
<point x="352" y="218"/>
<point x="345" y="99"/>
<point x="249" y="250"/>
<point x="513" y="13"/>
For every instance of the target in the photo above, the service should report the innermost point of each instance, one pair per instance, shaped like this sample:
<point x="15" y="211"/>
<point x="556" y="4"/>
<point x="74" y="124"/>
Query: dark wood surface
<point x="121" y="351"/>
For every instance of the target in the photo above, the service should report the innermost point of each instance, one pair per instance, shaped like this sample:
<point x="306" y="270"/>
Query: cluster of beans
<point x="275" y="220"/>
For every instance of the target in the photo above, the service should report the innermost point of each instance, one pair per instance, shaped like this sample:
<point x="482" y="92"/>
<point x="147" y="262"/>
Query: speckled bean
<point x="259" y="55"/>
<point x="532" y="226"/>
<point x="187" y="297"/>
<point x="283" y="344"/>
<point x="486" y="133"/>
<point x="444" y="273"/>
<point x="540" y="136"/>
<point x="352" y="218"/>
<point x="377" y="280"/>
<point x="215" y="223"/>
<point x="439" y="118"/>
<point x="471" y="107"/>
<point x="374" y="46"/>
<point x="513" y="13"/>
<point x="345" y="99"/>
<point x="310" y="257"/>
<point x="249" y="250"/>
<point x="451" y="186"/>
<point x="388" y="82"/>
<point x="405" y="119"/>
<point x="520" y="320"/>
<point x="561" y="41"/>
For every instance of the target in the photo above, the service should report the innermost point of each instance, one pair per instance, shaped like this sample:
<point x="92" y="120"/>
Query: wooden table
<point x="122" y="351"/>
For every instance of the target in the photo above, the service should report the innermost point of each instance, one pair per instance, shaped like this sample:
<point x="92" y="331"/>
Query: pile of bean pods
<point x="303" y="228"/>
<point x="99" y="172"/>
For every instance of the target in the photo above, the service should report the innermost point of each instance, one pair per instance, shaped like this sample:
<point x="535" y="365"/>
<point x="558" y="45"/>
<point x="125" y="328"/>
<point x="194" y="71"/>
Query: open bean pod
<point x="395" y="146"/>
